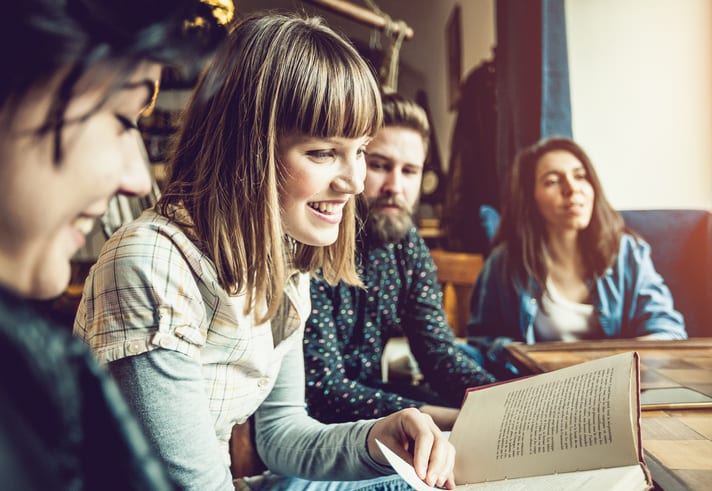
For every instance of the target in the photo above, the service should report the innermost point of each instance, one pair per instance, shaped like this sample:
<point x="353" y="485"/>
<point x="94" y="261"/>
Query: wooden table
<point x="677" y="443"/>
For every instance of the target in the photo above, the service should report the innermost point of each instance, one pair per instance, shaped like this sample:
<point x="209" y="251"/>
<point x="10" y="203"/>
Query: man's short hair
<point x="400" y="111"/>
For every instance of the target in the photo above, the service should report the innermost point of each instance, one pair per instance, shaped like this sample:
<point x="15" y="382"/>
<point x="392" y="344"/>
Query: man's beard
<point x="388" y="225"/>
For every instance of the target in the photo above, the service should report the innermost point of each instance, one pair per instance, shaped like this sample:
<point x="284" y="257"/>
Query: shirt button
<point x="263" y="382"/>
<point x="133" y="348"/>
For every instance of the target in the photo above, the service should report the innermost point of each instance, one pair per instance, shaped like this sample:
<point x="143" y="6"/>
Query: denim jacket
<point x="630" y="300"/>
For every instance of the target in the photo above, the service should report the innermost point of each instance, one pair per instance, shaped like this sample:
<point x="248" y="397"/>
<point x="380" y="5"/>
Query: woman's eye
<point x="321" y="154"/>
<point x="127" y="123"/>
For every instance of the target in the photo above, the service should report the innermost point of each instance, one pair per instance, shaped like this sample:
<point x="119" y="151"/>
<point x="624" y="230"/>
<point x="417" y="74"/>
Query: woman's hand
<point x="416" y="439"/>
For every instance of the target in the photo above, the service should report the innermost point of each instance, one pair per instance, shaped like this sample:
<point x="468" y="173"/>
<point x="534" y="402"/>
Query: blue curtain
<point x="555" y="95"/>
<point x="533" y="98"/>
<point x="505" y="105"/>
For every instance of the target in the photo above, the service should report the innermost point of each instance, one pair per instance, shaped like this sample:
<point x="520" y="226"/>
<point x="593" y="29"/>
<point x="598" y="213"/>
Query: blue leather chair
<point x="489" y="218"/>
<point x="681" y="242"/>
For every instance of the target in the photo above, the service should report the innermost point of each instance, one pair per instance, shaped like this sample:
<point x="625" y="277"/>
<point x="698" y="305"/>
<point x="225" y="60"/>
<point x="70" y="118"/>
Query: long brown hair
<point x="277" y="74"/>
<point x="522" y="230"/>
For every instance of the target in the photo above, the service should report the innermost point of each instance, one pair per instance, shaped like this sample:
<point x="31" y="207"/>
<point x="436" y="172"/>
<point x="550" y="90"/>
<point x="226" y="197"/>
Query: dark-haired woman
<point x="563" y="266"/>
<point x="78" y="75"/>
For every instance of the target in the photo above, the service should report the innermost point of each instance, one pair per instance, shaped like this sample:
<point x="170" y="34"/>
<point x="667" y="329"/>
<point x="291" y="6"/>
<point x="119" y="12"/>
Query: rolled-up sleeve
<point x="138" y="297"/>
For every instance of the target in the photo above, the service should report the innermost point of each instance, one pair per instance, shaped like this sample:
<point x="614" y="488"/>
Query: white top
<point x="561" y="319"/>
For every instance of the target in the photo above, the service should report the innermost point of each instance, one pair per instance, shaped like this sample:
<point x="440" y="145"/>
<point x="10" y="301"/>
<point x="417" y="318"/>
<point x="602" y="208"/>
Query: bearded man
<point x="349" y="327"/>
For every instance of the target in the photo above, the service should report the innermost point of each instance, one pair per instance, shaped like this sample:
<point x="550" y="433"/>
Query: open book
<point x="577" y="428"/>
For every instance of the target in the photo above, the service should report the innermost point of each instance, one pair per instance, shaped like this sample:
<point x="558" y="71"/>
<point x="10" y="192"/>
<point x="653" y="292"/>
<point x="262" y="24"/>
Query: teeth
<point x="84" y="225"/>
<point x="326" y="208"/>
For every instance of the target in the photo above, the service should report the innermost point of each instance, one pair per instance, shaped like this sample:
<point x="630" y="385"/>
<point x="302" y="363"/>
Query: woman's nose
<point x="352" y="176"/>
<point x="135" y="179"/>
<point x="569" y="186"/>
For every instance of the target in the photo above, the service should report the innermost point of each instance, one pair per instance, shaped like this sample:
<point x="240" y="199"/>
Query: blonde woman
<point x="199" y="306"/>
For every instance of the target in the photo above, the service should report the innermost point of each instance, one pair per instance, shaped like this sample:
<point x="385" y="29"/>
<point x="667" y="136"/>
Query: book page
<point x="578" y="418"/>
<point x="630" y="478"/>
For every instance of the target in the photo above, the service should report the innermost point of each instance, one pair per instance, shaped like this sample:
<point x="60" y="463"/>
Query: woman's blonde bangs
<point x="335" y="92"/>
<point x="278" y="74"/>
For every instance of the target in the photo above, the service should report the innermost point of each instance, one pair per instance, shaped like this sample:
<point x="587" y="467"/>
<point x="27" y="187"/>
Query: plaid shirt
<point x="153" y="288"/>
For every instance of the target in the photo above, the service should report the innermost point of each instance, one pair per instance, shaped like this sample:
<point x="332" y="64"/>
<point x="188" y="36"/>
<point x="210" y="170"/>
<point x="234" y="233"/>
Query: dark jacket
<point x="63" y="423"/>
<point x="346" y="335"/>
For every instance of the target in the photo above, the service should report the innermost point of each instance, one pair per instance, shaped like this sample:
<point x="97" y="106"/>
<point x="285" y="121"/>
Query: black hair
<point x="41" y="38"/>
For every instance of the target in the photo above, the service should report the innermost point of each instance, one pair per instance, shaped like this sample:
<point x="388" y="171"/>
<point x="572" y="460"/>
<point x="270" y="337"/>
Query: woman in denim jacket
<point x="563" y="266"/>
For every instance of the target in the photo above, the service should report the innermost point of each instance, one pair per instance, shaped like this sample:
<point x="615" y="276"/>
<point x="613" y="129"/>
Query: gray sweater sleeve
<point x="166" y="391"/>
<point x="293" y="444"/>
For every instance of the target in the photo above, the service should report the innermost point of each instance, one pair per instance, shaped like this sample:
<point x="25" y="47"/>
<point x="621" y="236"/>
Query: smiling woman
<point x="199" y="305"/>
<point x="323" y="174"/>
<point x="40" y="239"/>
<point x="81" y="74"/>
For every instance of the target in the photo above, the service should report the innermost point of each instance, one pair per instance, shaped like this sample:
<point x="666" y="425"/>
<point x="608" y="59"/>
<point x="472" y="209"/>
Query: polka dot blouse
<point x="348" y="328"/>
